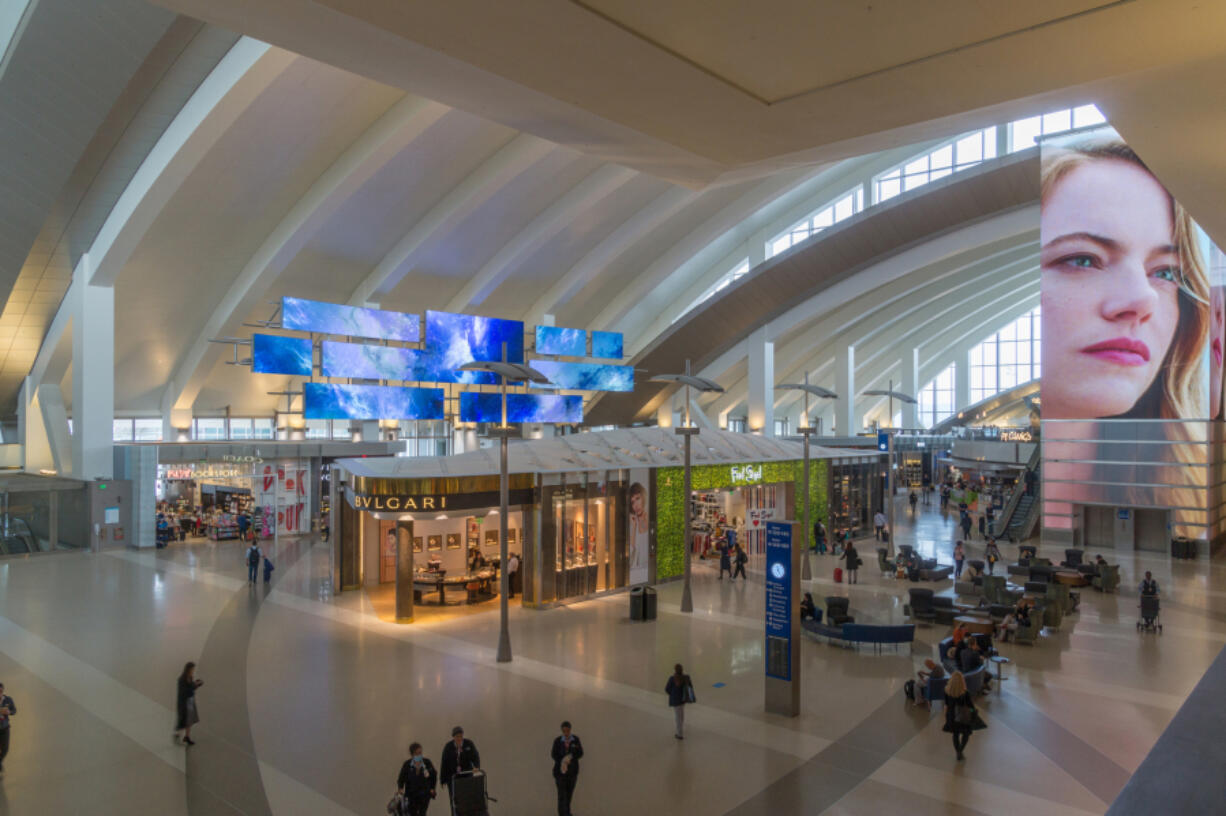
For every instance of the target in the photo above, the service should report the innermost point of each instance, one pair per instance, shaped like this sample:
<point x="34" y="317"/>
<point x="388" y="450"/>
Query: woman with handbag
<point x="680" y="691"/>
<point x="961" y="718"/>
<point x="185" y="703"/>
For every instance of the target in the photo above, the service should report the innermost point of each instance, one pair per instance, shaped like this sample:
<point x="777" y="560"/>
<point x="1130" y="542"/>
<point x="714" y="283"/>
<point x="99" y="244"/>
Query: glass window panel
<point x="240" y="428"/>
<point x="970" y="149"/>
<point x="859" y="199"/>
<point x="843" y="208"/>
<point x="976" y="377"/>
<point x="915" y="181"/>
<point x="210" y="428"/>
<point x="1057" y="121"/>
<point x="121" y="430"/>
<point x="1086" y="115"/>
<point x="916" y="167"/>
<point x="939" y="174"/>
<point x="1009" y="333"/>
<point x="887" y="188"/>
<point x="262" y="428"/>
<point x="1022" y="133"/>
<point x="942" y="157"/>
<point x="823" y="219"/>
<point x="976" y="355"/>
<point x="147" y="430"/>
<point x="780" y="244"/>
<point x="989" y="142"/>
<point x="1023" y="354"/>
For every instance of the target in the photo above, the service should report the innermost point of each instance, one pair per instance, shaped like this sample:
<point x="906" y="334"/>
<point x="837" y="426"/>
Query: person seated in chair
<point x="808" y="609"/>
<point x="932" y="670"/>
<point x="1149" y="586"/>
<point x="1099" y="561"/>
<point x="972" y="658"/>
<point x="970" y="573"/>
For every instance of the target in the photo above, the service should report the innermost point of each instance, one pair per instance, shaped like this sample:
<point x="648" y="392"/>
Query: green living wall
<point x="670" y="548"/>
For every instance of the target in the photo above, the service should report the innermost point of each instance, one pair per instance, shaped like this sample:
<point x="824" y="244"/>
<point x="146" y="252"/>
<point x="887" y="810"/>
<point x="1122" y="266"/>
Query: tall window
<point x="1008" y="358"/>
<point x="318" y="429"/>
<point x="147" y="430"/>
<point x="960" y="154"/>
<point x="727" y="279"/>
<point x="121" y="430"/>
<point x="936" y="399"/>
<point x="842" y="208"/>
<point x="210" y="428"/>
<point x="1024" y="132"/>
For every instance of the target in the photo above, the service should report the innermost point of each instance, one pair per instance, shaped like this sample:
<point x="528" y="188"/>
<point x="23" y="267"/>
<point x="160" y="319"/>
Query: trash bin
<point x="1183" y="547"/>
<point x="637" y="607"/>
<point x="649" y="603"/>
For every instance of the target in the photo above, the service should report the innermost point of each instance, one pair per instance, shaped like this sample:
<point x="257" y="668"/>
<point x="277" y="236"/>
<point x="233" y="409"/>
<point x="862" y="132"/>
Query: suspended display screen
<point x="566" y="342"/>
<point x="281" y="355"/>
<point x="393" y="363"/>
<point x="325" y="401"/>
<point x="607" y="345"/>
<point x="454" y="339"/>
<point x="587" y="376"/>
<point x="352" y="321"/>
<point x="521" y="408"/>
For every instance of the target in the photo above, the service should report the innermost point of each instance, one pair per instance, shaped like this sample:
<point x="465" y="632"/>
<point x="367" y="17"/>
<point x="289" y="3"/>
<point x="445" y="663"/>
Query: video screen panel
<point x="271" y="354"/>
<point x="326" y="401"/>
<point x="454" y="339"/>
<point x="365" y="362"/>
<point x="564" y="342"/>
<point x="587" y="376"/>
<point x="607" y="345"/>
<point x="352" y="321"/>
<point x="476" y="407"/>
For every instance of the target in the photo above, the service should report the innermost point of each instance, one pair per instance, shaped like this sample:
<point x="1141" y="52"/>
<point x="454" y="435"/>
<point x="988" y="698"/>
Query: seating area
<point x="856" y="633"/>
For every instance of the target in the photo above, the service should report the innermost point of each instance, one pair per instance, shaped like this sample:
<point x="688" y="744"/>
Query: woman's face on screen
<point x="1217" y="334"/>
<point x="1110" y="288"/>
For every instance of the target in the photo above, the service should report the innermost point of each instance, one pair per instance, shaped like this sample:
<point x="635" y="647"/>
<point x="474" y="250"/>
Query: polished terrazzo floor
<point x="310" y="699"/>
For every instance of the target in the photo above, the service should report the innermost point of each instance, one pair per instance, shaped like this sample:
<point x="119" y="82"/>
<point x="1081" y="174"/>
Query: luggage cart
<point x="468" y="794"/>
<point x="1150" y="610"/>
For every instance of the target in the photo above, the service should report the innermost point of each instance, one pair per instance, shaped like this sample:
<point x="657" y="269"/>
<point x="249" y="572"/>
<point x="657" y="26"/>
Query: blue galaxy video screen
<point x="351" y="321"/>
<point x="393" y="363"/>
<point x="607" y="345"/>
<point x="564" y="342"/>
<point x="325" y="401"/>
<point x="587" y="376"/>
<point x="454" y="339"/>
<point x="271" y="354"/>
<point x="521" y="408"/>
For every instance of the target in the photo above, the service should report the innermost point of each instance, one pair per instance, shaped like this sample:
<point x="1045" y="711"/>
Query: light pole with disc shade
<point x="702" y="384"/>
<point x="519" y="372"/>
<point x="806" y="572"/>
<point x="889" y="469"/>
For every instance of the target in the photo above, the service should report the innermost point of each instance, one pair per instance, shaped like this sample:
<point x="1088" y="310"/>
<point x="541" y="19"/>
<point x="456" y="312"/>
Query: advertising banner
<point x="281" y="488"/>
<point x="638" y="528"/>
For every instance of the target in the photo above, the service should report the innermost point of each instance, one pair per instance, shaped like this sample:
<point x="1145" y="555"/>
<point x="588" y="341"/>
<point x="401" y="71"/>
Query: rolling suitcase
<point x="838" y="575"/>
<point x="468" y="796"/>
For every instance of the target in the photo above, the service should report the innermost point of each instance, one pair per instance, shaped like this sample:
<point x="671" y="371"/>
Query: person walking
<point x="416" y="783"/>
<point x="879" y="521"/>
<point x="853" y="563"/>
<point x="741" y="560"/>
<point x="459" y="755"/>
<point x="961" y="718"/>
<point x="914" y="499"/>
<point x="725" y="561"/>
<point x="991" y="554"/>
<point x="566" y="753"/>
<point x="253" y="562"/>
<point x="819" y="537"/>
<point x="8" y="710"/>
<point x="680" y="691"/>
<point x="512" y="568"/>
<point x="959" y="558"/>
<point x="268" y="568"/>
<point x="983" y="526"/>
<point x="966" y="525"/>
<point x="185" y="703"/>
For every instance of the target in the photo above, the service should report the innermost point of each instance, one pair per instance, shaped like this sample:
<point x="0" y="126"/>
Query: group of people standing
<point x="730" y="555"/>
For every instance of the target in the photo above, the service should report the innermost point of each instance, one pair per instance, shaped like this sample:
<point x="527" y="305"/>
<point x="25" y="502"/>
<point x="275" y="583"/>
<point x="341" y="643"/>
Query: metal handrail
<point x="1002" y="521"/>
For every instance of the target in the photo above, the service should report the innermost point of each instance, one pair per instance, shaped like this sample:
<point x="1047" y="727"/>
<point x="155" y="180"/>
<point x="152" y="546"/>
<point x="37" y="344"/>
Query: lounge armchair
<point x="1053" y="614"/>
<point x="1059" y="594"/>
<point x="979" y="566"/>
<point x="1108" y="578"/>
<point x="888" y="567"/>
<point x="968" y="588"/>
<point x="934" y="690"/>
<point x="995" y="591"/>
<point x="943" y="605"/>
<point x="1072" y="558"/>
<point x="1026" y="551"/>
<point x="1041" y="572"/>
<point x="836" y="611"/>
<point x="921" y="604"/>
<point x="1030" y="633"/>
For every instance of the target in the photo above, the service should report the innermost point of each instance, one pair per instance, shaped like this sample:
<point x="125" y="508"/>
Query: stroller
<point x="468" y="794"/>
<point x="1149" y="615"/>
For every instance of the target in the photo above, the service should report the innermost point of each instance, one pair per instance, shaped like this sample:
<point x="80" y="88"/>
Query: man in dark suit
<point x="458" y="755"/>
<point x="566" y="753"/>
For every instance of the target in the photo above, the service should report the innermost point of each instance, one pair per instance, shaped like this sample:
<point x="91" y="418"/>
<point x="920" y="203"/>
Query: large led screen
<point x="1127" y="354"/>
<point x="351" y="321"/>
<point x="607" y="345"/>
<point x="325" y="401"/>
<point x="565" y="342"/>
<point x="393" y="363"/>
<point x="476" y="407"/>
<point x="281" y="355"/>
<point x="455" y="339"/>
<point x="587" y="376"/>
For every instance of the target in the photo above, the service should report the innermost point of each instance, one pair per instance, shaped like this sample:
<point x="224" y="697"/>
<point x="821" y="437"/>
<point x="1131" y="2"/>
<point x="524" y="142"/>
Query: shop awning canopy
<point x="596" y="450"/>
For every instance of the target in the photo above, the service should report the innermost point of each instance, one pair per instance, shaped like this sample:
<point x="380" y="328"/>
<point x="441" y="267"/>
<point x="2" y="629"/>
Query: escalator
<point x="1021" y="514"/>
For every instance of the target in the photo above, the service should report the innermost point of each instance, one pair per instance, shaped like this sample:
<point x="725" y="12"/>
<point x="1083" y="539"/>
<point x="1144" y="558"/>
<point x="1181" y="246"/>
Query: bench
<point x="857" y="633"/>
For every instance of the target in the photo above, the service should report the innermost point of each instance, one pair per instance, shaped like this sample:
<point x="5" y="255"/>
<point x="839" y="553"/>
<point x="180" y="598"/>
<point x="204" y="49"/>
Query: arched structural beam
<point x="800" y="274"/>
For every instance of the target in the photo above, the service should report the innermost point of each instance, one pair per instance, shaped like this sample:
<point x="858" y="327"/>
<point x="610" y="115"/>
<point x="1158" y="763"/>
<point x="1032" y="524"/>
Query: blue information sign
<point x="779" y="600"/>
<point x="883" y="441"/>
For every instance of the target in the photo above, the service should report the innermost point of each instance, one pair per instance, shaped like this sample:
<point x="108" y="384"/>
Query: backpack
<point x="253" y="557"/>
<point x="908" y="690"/>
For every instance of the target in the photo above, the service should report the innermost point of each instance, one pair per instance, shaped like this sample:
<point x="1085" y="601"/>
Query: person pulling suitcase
<point x="459" y="755"/>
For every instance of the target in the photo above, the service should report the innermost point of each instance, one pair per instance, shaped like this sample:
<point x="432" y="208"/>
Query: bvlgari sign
<point x="436" y="501"/>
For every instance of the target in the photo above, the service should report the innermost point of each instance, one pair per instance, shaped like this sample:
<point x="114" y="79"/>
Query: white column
<point x="93" y="377"/>
<point x="845" y="418"/>
<point x="962" y="381"/>
<point x="761" y="415"/>
<point x="910" y="385"/>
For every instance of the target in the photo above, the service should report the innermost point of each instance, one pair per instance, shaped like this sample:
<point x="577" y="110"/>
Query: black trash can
<point x="649" y="603"/>
<point x="1182" y="547"/>
<point x="637" y="606"/>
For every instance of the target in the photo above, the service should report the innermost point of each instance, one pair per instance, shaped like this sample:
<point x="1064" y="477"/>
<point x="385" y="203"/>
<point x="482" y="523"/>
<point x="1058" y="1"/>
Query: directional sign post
<point x="783" y="544"/>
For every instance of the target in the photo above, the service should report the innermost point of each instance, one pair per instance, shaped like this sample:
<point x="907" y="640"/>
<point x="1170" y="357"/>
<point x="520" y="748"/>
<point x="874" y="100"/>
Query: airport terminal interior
<point x="702" y="408"/>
